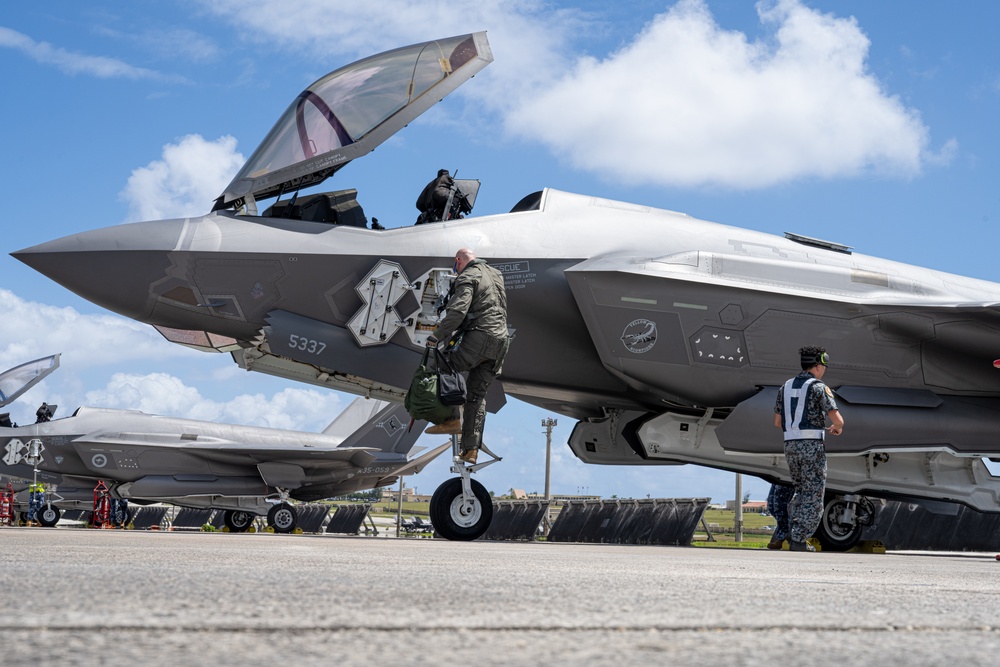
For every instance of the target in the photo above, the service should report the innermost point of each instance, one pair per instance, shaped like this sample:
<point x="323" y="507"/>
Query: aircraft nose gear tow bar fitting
<point x="461" y="508"/>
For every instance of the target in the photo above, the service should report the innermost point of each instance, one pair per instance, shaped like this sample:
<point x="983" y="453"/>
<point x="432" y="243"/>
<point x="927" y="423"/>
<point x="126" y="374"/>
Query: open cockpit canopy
<point x="17" y="380"/>
<point x="350" y="111"/>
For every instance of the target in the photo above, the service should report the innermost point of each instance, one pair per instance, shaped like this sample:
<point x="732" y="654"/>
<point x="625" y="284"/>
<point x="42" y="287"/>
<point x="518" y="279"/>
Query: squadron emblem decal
<point x="639" y="336"/>
<point x="390" y="425"/>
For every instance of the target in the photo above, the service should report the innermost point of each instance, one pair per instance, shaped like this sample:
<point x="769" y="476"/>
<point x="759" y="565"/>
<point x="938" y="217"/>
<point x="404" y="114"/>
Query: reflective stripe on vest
<point x="794" y="412"/>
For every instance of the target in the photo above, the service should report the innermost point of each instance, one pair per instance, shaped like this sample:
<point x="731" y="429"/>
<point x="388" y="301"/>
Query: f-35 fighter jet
<point x="245" y="470"/>
<point x="665" y="336"/>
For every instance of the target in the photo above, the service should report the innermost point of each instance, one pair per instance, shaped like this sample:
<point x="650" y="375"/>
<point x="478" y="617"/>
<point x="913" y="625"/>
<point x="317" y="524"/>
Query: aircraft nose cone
<point x="112" y="267"/>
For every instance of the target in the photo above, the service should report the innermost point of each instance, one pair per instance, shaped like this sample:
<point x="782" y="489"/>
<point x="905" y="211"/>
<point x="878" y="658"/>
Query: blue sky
<point x="869" y="124"/>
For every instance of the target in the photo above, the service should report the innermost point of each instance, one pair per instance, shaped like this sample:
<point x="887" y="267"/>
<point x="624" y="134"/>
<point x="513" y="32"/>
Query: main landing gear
<point x="283" y="518"/>
<point x="237" y="521"/>
<point x="461" y="508"/>
<point x="844" y="519"/>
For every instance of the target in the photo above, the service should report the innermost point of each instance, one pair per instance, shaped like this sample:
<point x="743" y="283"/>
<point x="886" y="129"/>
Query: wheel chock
<point x="868" y="547"/>
<point x="787" y="544"/>
<point x="297" y="531"/>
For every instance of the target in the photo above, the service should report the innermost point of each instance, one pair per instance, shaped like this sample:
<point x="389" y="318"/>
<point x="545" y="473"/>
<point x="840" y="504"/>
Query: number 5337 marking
<point x="305" y="344"/>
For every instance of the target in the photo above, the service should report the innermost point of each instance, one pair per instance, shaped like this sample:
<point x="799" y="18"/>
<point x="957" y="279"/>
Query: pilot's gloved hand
<point x="432" y="341"/>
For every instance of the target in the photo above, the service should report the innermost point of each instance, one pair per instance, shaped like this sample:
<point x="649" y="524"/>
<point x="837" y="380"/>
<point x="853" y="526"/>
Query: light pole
<point x="399" y="508"/>
<point x="548" y="423"/>
<point x="739" y="508"/>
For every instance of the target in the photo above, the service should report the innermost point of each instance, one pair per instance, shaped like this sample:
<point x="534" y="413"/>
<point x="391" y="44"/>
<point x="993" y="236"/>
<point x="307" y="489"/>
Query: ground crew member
<point x="475" y="324"/>
<point x="777" y="506"/>
<point x="119" y="511"/>
<point x="36" y="498"/>
<point x="803" y="405"/>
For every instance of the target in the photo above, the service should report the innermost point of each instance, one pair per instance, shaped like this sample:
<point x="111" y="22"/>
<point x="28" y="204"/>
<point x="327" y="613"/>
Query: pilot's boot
<point x="775" y="543"/>
<point x="469" y="456"/>
<point x="800" y="546"/>
<point x="450" y="427"/>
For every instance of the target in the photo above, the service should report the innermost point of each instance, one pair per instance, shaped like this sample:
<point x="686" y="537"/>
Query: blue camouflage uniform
<point x="777" y="505"/>
<point x="803" y="420"/>
<point x="36" y="498"/>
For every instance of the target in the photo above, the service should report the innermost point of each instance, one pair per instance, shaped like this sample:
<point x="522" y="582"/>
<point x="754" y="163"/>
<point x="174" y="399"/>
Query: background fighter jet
<point x="664" y="335"/>
<point x="244" y="470"/>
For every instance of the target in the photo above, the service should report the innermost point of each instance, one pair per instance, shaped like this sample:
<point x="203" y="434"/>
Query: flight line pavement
<point x="93" y="597"/>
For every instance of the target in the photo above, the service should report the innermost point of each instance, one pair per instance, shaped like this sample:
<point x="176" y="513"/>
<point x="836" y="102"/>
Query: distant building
<point x="756" y="506"/>
<point x="409" y="496"/>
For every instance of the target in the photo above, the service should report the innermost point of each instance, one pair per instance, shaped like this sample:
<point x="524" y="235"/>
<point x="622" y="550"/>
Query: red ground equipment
<point x="7" y="506"/>
<point x="102" y="505"/>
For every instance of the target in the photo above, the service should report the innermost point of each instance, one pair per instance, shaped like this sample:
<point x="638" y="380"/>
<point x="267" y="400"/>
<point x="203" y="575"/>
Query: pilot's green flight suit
<point x="476" y="319"/>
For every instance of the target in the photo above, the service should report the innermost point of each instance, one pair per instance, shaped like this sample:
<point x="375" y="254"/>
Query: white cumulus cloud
<point x="684" y="103"/>
<point x="184" y="183"/>
<point x="164" y="394"/>
<point x="688" y="103"/>
<point x="529" y="38"/>
<point x="30" y="330"/>
<point x="71" y="62"/>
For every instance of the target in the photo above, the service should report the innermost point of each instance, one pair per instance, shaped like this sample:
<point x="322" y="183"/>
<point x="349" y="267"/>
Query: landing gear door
<point x="432" y="290"/>
<point x="382" y="292"/>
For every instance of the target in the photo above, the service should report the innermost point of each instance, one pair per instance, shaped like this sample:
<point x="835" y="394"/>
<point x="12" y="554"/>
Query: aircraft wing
<point x="139" y="453"/>
<point x="419" y="463"/>
<point x="350" y="111"/>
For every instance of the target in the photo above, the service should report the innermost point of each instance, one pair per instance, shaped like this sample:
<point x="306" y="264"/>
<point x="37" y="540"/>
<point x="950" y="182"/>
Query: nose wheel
<point x="237" y="521"/>
<point x="49" y="516"/>
<point x="844" y="519"/>
<point x="461" y="508"/>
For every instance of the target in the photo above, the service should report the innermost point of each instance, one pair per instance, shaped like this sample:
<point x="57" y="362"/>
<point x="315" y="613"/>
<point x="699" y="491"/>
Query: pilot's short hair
<point x="442" y="172"/>
<point x="813" y="355"/>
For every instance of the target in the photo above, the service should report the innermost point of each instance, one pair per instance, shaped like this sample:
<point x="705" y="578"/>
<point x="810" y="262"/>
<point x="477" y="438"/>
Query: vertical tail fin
<point x="377" y="424"/>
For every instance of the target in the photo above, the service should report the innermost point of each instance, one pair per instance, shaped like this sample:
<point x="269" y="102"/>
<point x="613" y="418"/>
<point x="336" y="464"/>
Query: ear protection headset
<point x="823" y="359"/>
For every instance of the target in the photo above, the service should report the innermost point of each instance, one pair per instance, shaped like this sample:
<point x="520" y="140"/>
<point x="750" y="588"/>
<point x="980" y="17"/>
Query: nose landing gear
<point x="844" y="519"/>
<point x="461" y="508"/>
<point x="237" y="521"/>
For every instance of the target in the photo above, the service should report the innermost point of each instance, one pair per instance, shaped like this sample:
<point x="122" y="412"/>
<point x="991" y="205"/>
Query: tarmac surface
<point x="92" y="597"/>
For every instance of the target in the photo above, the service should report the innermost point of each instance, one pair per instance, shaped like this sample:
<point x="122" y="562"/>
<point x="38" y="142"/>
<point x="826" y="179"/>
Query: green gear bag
<point x="422" y="400"/>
